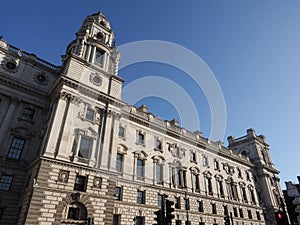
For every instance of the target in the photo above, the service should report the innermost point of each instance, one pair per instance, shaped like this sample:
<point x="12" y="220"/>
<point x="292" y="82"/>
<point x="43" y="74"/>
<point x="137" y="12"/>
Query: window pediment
<point x="122" y="149"/>
<point x="22" y="132"/>
<point x="89" y="132"/>
<point x="140" y="154"/>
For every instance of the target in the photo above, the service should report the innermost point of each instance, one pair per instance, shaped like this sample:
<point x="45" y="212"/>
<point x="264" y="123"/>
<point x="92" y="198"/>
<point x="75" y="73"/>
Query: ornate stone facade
<point x="72" y="151"/>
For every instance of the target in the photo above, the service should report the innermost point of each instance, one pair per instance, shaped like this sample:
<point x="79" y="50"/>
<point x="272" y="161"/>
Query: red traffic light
<point x="279" y="215"/>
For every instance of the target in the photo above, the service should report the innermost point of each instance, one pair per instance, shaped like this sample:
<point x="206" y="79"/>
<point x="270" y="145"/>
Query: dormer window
<point x="99" y="57"/>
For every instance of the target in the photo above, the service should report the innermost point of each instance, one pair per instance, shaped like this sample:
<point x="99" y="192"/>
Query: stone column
<point x="92" y="56"/>
<point x="65" y="145"/>
<point x="57" y="122"/>
<point x="8" y="117"/>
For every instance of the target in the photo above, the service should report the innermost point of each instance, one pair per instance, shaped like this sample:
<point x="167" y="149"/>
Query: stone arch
<point x="73" y="198"/>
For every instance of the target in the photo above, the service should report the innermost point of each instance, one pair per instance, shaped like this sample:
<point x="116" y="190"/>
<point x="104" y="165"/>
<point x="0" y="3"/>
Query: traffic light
<point x="169" y="212"/>
<point x="226" y="220"/>
<point x="159" y="217"/>
<point x="279" y="218"/>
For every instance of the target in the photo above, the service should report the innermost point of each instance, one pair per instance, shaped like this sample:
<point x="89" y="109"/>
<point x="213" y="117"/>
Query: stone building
<point x="72" y="151"/>
<point x="292" y="199"/>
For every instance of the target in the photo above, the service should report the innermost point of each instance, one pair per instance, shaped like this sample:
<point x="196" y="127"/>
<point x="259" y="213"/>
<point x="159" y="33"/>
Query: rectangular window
<point x="247" y="175"/>
<point x="186" y="204"/>
<point x="249" y="214"/>
<point x="220" y="187"/>
<point x="119" y="162"/>
<point x="118" y="193"/>
<point x="140" y="197"/>
<point x="177" y="222"/>
<point x="239" y="172"/>
<point x="116" y="219"/>
<point x="121" y="132"/>
<point x="140" y="168"/>
<point x="193" y="156"/>
<point x="225" y="210"/>
<point x="213" y="208"/>
<point x="244" y="194"/>
<point x="235" y="212"/>
<point x="158" y="144"/>
<point x="80" y="183"/>
<point x="84" y="148"/>
<point x="159" y="173"/>
<point x="200" y="206"/>
<point x="196" y="182"/>
<point x="28" y="114"/>
<point x="160" y="200"/>
<point x="90" y="113"/>
<point x="177" y="202"/>
<point x="141" y="138"/>
<point x="208" y="185"/>
<point x="258" y="215"/>
<point x="205" y="161"/>
<point x="140" y="220"/>
<point x="216" y="165"/>
<point x="16" y="148"/>
<point x="241" y="213"/>
<point x="99" y="57"/>
<point x="5" y="182"/>
<point x="252" y="197"/>
<point x="73" y="213"/>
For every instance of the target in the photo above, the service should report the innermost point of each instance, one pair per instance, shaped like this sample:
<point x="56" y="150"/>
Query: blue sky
<point x="252" y="47"/>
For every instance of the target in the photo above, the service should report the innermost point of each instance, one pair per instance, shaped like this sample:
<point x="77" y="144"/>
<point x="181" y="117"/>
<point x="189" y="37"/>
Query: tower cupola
<point x="92" y="58"/>
<point x="95" y="44"/>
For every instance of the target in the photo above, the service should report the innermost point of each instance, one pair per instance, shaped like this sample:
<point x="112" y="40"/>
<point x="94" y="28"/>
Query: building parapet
<point x="28" y="56"/>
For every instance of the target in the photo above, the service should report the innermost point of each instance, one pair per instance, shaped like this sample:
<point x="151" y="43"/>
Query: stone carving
<point x="63" y="176"/>
<point x="97" y="182"/>
<point x="10" y="65"/>
<point x="41" y="79"/>
<point x="75" y="196"/>
<point x="95" y="79"/>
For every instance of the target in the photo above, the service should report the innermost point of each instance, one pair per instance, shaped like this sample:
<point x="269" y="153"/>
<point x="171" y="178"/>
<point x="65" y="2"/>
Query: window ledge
<point x="141" y="144"/>
<point x="25" y="120"/>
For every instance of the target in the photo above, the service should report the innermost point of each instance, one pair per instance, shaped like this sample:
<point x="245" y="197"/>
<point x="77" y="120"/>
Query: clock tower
<point x="92" y="58"/>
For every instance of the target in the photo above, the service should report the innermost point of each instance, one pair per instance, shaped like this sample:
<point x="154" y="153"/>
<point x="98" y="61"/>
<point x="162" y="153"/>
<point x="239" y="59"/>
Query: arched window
<point x="195" y="178"/>
<point x="232" y="189"/>
<point x="76" y="211"/>
<point x="219" y="180"/>
<point x="158" y="163"/>
<point x="208" y="184"/>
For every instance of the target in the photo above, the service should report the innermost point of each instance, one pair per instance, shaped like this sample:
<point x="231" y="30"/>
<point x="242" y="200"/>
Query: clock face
<point x="95" y="79"/>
